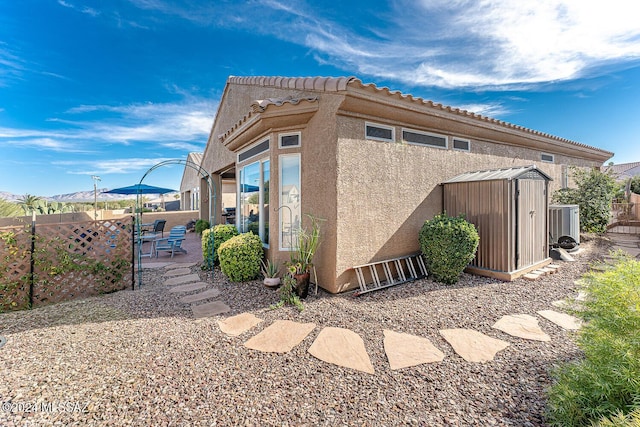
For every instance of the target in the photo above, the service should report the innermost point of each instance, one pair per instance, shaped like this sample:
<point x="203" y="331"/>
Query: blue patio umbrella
<point x="139" y="189"/>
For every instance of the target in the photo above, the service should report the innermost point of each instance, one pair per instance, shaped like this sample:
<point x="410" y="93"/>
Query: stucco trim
<point x="268" y="116"/>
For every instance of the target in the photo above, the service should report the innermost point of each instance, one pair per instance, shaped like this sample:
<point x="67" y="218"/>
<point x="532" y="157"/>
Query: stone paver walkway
<point x="345" y="348"/>
<point x="281" y="337"/>
<point x="473" y="346"/>
<point x="404" y="350"/>
<point x="341" y="347"/>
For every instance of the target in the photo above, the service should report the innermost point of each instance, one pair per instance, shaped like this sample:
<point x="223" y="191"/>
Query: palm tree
<point x="28" y="203"/>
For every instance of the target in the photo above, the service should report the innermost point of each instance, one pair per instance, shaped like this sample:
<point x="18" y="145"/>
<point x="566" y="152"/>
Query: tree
<point x="29" y="203"/>
<point x="8" y="209"/>
<point x="594" y="194"/>
<point x="635" y="184"/>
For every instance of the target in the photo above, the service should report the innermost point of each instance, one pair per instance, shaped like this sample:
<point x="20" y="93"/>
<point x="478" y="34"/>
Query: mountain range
<point x="80" y="196"/>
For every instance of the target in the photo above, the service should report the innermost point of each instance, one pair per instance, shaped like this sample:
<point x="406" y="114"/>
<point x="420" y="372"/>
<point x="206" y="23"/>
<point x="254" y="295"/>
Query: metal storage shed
<point x="509" y="207"/>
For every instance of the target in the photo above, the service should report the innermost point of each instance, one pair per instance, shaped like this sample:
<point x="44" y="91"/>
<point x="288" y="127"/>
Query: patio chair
<point x="158" y="227"/>
<point x="173" y="243"/>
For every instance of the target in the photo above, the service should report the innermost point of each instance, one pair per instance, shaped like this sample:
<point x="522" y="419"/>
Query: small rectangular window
<point x="379" y="132"/>
<point x="289" y="140"/>
<point x="254" y="151"/>
<point x="423" y="138"/>
<point x="461" y="144"/>
<point x="547" y="158"/>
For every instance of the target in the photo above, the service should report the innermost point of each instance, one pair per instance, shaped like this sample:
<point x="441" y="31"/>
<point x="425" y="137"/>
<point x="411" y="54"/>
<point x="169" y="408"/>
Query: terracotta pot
<point x="302" y="284"/>
<point x="271" y="282"/>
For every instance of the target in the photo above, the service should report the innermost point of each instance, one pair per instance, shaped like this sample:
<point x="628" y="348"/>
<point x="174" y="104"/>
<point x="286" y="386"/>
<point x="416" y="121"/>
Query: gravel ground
<point x="139" y="358"/>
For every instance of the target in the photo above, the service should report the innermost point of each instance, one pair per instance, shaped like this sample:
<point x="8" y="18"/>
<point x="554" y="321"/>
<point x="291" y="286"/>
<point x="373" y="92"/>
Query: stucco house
<point x="190" y="184"/>
<point x="367" y="160"/>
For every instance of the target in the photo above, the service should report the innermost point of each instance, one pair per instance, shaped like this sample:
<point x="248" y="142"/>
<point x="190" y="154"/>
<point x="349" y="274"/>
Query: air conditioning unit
<point x="564" y="226"/>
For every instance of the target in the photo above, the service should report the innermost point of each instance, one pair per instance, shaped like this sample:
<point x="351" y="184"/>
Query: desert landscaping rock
<point x="238" y="325"/>
<point x="182" y="279"/>
<point x="210" y="309"/>
<point x="189" y="287"/>
<point x="138" y="357"/>
<point x="473" y="346"/>
<point x="342" y="347"/>
<point x="200" y="296"/>
<point x="405" y="350"/>
<point x="280" y="337"/>
<point x="563" y="320"/>
<point x="177" y="272"/>
<point x="521" y="326"/>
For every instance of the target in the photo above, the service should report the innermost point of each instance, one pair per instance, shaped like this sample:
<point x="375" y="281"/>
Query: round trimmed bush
<point x="448" y="245"/>
<point x="240" y="257"/>
<point x="201" y="225"/>
<point x="221" y="233"/>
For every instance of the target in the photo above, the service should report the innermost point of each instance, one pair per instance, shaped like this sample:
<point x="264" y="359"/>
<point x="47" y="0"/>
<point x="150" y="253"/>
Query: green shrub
<point x="606" y="383"/>
<point x="221" y="233"/>
<point x="240" y="257"/>
<point x="201" y="225"/>
<point x="448" y="245"/>
<point x="594" y="193"/>
<point x="621" y="420"/>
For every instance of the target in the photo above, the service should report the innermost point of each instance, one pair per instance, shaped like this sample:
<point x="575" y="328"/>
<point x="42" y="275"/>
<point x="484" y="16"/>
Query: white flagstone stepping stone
<point x="341" y="347"/>
<point x="179" y="265"/>
<point x="473" y="346"/>
<point x="177" y="272"/>
<point x="522" y="326"/>
<point x="182" y="279"/>
<point x="152" y="265"/>
<point x="209" y="293"/>
<point x="210" y="309"/>
<point x="280" y="337"/>
<point x="563" y="320"/>
<point x="239" y="324"/>
<point x="404" y="350"/>
<point x="189" y="287"/>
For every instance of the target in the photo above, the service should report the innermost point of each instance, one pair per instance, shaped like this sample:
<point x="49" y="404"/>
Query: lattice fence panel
<point x="75" y="260"/>
<point x="15" y="267"/>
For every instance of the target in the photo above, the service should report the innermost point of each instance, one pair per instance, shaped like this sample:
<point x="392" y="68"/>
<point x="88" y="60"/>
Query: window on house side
<point x="289" y="208"/>
<point x="461" y="144"/>
<point x="423" y="138"/>
<point x="548" y="158"/>
<point x="290" y="140"/>
<point x="254" y="200"/>
<point x="379" y="132"/>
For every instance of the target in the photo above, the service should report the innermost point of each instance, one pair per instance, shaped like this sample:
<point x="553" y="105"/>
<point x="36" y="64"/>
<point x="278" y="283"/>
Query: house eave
<point x="273" y="117"/>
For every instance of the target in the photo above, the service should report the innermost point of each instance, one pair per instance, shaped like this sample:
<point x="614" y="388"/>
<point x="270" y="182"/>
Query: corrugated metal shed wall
<point x="489" y="205"/>
<point x="513" y="230"/>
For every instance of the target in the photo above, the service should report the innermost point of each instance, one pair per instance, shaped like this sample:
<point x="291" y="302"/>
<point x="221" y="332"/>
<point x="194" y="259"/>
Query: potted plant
<point x="270" y="271"/>
<point x="301" y="258"/>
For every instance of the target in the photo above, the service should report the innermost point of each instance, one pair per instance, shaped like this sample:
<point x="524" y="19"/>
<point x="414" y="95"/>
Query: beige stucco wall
<point x="385" y="191"/>
<point x="374" y="196"/>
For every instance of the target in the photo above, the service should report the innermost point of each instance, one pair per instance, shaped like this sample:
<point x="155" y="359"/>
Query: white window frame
<point x="286" y="147"/>
<point x="420" y="132"/>
<point x="553" y="158"/>
<point x="378" y="125"/>
<point x="453" y="145"/>
<point x="281" y="211"/>
<point x="261" y="141"/>
<point x="261" y="221"/>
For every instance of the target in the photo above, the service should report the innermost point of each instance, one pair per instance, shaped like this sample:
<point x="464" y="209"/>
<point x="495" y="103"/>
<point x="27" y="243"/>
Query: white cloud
<point x="113" y="166"/>
<point x="485" y="43"/>
<point x="168" y="125"/>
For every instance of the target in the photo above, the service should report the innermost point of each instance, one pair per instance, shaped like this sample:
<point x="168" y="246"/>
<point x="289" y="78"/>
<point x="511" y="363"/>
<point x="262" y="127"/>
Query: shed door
<point x="532" y="222"/>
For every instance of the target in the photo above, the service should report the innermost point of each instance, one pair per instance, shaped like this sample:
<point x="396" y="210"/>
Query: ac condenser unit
<point x="564" y="226"/>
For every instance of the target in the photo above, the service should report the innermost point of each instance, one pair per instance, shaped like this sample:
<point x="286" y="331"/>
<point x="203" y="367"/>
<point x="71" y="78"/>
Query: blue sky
<point x="111" y="88"/>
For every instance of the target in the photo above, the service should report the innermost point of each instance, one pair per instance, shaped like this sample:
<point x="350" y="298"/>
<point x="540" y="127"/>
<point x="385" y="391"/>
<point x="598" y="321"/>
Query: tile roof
<point x="338" y="84"/>
<point x="260" y="105"/>
<point x="623" y="168"/>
